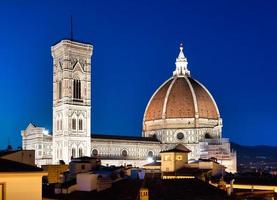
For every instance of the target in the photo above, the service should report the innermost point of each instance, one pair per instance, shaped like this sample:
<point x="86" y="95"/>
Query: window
<point x="94" y="152"/>
<point x="73" y="153"/>
<point x="167" y="158"/>
<point x="124" y="153"/>
<point x="2" y="191"/>
<point x="80" y="152"/>
<point x="208" y="136"/>
<point x="76" y="89"/>
<point x="83" y="167"/>
<point x="150" y="154"/>
<point x="60" y="89"/>
<point x="179" y="157"/>
<point x="80" y="124"/>
<point x="74" y="124"/>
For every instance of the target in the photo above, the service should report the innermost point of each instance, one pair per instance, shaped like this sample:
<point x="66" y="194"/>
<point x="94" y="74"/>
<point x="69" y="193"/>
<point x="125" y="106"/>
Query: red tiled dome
<point x="181" y="97"/>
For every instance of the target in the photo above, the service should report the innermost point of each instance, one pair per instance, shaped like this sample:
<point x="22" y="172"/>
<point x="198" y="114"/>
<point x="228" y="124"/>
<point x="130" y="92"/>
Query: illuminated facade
<point x="181" y="111"/>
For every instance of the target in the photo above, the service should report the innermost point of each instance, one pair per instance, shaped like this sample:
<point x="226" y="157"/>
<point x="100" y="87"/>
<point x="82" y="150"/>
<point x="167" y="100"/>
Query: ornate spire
<point x="181" y="64"/>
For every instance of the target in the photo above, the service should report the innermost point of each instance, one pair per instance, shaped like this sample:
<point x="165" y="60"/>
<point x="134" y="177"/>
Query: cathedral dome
<point x="180" y="102"/>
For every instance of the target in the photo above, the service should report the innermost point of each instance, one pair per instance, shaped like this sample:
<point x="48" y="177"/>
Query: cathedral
<point x="181" y="111"/>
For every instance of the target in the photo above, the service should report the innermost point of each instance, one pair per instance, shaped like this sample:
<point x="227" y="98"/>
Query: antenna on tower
<point x="71" y="28"/>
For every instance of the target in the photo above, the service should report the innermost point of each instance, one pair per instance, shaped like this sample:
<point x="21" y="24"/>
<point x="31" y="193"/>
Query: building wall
<point x="136" y="150"/>
<point x="22" y="186"/>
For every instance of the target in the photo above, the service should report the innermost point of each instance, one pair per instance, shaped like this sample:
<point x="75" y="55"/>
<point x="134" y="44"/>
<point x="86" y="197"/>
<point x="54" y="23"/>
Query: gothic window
<point x="94" y="152"/>
<point x="60" y="89"/>
<point x="73" y="153"/>
<point x="80" y="124"/>
<point x="74" y="124"/>
<point x="76" y="89"/>
<point x="80" y="152"/>
<point x="124" y="153"/>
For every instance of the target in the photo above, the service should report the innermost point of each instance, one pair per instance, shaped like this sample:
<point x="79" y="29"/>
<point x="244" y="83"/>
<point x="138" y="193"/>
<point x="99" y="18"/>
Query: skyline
<point x="127" y="69"/>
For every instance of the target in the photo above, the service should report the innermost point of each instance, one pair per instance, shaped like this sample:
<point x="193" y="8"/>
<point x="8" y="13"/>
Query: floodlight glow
<point x="150" y="160"/>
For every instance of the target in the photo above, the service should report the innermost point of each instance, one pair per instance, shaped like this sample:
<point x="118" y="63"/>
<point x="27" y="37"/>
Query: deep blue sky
<point x="231" y="47"/>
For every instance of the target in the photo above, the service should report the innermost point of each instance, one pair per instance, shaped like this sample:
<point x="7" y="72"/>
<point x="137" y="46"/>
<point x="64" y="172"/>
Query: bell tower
<point x="71" y="100"/>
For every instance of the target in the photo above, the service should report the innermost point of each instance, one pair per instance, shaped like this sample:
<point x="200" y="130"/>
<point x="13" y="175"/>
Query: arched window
<point x="80" y="124"/>
<point x="76" y="89"/>
<point x="80" y="152"/>
<point x="150" y="154"/>
<point x="74" y="124"/>
<point x="73" y="153"/>
<point x="208" y="136"/>
<point x="60" y="89"/>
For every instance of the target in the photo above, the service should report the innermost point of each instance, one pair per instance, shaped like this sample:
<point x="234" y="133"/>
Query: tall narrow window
<point x="80" y="124"/>
<point x="73" y="153"/>
<point x="60" y="89"/>
<point x="80" y="152"/>
<point x="74" y="124"/>
<point x="76" y="89"/>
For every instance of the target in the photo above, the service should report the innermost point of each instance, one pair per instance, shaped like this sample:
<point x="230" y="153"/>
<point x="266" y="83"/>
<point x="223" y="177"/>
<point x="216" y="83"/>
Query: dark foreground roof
<point x="117" y="137"/>
<point x="12" y="166"/>
<point x="169" y="189"/>
<point x="187" y="171"/>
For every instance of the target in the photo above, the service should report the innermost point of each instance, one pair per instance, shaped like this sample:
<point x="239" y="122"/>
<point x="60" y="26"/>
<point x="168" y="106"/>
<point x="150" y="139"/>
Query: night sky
<point x="231" y="48"/>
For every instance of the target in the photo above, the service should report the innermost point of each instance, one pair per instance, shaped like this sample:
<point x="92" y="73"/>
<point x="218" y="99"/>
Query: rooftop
<point x="117" y="137"/>
<point x="158" y="189"/>
<point x="12" y="166"/>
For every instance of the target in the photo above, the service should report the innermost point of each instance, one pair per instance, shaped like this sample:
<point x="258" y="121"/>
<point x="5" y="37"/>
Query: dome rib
<point x="210" y="96"/>
<point x="194" y="97"/>
<point x="166" y="98"/>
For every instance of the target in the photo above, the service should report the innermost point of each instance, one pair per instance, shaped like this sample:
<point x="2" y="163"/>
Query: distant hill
<point x="259" y="150"/>
<point x="258" y="156"/>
